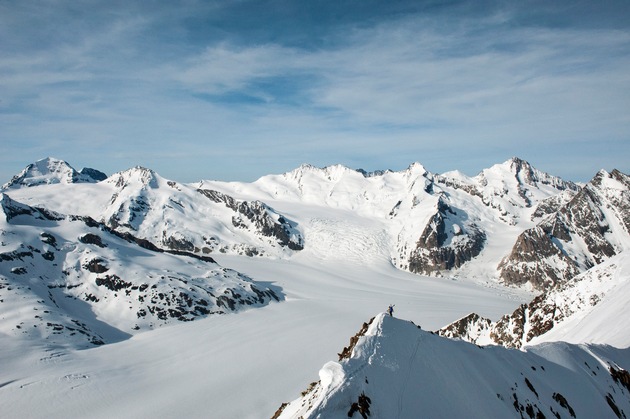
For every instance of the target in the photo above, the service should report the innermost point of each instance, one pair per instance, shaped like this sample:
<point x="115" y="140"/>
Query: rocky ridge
<point x="590" y="228"/>
<point x="87" y="284"/>
<point x="174" y="216"/>
<point x="552" y="309"/>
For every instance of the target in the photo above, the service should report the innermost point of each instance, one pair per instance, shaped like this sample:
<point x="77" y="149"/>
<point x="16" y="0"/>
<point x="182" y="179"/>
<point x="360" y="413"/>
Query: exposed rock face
<point x="544" y="312"/>
<point x="97" y="175"/>
<point x="264" y="219"/>
<point x="552" y="204"/>
<point x="537" y="260"/>
<point x="447" y="242"/>
<point x="590" y="228"/>
<point x="469" y="328"/>
<point x="11" y="209"/>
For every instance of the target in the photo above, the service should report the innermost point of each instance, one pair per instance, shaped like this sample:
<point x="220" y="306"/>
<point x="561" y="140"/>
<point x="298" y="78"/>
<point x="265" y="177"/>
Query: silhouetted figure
<point x="390" y="309"/>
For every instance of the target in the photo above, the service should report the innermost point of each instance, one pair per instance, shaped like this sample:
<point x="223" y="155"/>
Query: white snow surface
<point x="405" y="372"/>
<point x="47" y="171"/>
<point x="595" y="305"/>
<point x="243" y="365"/>
<point x="232" y="366"/>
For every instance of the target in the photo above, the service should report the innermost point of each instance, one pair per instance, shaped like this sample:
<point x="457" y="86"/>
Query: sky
<point x="237" y="89"/>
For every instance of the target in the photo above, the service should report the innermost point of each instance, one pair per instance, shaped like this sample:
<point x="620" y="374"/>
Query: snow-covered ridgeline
<point x="436" y="223"/>
<point x="448" y="224"/>
<point x="395" y="369"/>
<point x="590" y="308"/>
<point x="169" y="214"/>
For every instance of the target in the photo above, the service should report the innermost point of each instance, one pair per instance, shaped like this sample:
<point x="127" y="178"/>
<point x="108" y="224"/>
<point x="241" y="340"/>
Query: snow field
<point x="236" y="366"/>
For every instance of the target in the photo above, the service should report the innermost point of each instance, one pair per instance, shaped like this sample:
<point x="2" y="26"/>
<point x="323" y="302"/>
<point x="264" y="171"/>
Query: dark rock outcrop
<point x="264" y="219"/>
<point x="94" y="174"/>
<point x="440" y="249"/>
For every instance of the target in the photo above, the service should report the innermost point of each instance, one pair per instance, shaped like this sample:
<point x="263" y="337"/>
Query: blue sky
<point x="236" y="89"/>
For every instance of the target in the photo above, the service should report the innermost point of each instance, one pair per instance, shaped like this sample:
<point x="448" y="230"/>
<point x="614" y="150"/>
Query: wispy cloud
<point x="194" y="82"/>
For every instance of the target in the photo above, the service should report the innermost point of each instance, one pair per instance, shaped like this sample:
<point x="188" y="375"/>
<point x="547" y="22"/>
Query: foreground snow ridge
<point x="394" y="369"/>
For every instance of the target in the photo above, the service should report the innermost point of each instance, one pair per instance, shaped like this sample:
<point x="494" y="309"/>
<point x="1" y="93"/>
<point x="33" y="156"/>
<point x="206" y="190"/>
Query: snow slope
<point x="594" y="309"/>
<point x="591" y="308"/>
<point x="236" y="365"/>
<point x="397" y="370"/>
<point x="69" y="281"/>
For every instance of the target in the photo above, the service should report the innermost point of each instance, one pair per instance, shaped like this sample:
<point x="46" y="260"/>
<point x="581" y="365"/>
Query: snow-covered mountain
<point x="171" y="215"/>
<point x="590" y="308"/>
<point x="84" y="263"/>
<point x="50" y="170"/>
<point x="434" y="224"/>
<point x="592" y="227"/>
<point x="440" y="225"/>
<point x="393" y="369"/>
<point x="71" y="281"/>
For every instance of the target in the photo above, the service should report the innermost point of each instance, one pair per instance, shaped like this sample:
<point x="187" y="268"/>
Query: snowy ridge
<point x="592" y="227"/>
<point x="49" y="171"/>
<point x="70" y="281"/>
<point x="395" y="369"/>
<point x="448" y="224"/>
<point x="587" y="309"/>
<point x="438" y="225"/>
<point x="172" y="215"/>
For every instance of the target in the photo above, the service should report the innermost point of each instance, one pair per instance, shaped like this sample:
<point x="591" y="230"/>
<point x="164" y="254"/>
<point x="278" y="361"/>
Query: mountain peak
<point x="47" y="171"/>
<point x="416" y="168"/>
<point x="136" y="175"/>
<point x="393" y="368"/>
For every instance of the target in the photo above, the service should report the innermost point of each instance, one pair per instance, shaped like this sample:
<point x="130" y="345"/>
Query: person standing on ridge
<point x="390" y="309"/>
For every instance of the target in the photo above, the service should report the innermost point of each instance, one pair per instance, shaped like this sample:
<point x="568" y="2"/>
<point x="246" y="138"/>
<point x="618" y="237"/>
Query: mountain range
<point x="88" y="259"/>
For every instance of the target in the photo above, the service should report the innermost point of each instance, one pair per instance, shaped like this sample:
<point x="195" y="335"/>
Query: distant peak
<point x="97" y="175"/>
<point x="46" y="171"/>
<point x="416" y="168"/>
<point x="137" y="174"/>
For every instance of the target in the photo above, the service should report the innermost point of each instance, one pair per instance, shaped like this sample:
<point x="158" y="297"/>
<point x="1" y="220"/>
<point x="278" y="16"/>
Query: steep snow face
<point x="592" y="227"/>
<point x="587" y="309"/>
<point x="172" y="215"/>
<point x="70" y="281"/>
<point x="47" y="171"/>
<point x="395" y="370"/>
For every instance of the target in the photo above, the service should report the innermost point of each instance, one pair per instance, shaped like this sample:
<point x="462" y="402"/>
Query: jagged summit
<point x="47" y="171"/>
<point x="587" y="230"/>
